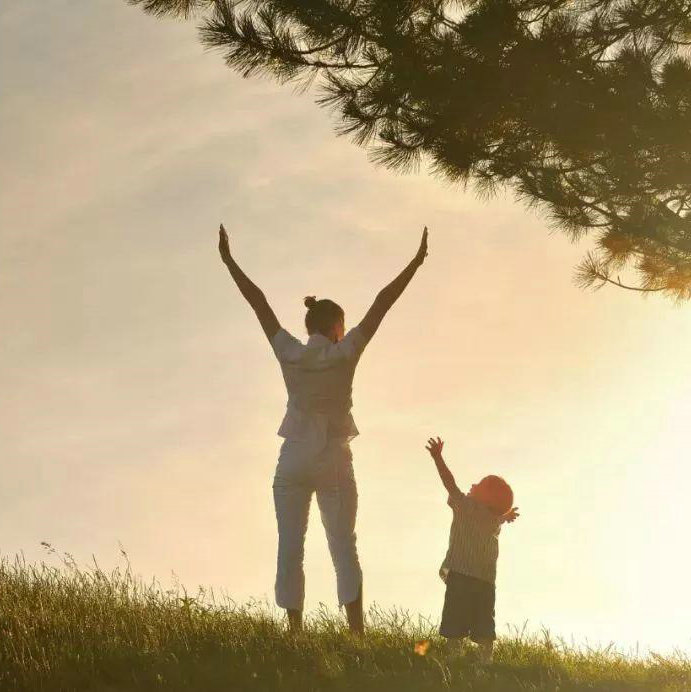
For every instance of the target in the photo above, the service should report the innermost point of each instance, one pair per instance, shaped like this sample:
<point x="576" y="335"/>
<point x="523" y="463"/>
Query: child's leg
<point x="485" y="649"/>
<point x="456" y="613"/>
<point x="454" y="645"/>
<point x="294" y="619"/>
<point x="483" y="630"/>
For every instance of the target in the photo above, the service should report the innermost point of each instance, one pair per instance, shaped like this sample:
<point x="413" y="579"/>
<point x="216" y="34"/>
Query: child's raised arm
<point x="435" y="447"/>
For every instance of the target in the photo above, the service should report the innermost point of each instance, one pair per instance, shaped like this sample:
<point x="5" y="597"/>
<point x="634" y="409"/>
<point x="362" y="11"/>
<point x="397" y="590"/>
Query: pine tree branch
<point x="173" y="8"/>
<point x="582" y="106"/>
<point x="619" y="284"/>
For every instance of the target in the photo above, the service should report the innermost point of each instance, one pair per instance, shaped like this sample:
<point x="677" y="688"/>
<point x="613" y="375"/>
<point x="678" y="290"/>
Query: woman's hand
<point x="422" y="250"/>
<point x="223" y="245"/>
<point x="435" y="447"/>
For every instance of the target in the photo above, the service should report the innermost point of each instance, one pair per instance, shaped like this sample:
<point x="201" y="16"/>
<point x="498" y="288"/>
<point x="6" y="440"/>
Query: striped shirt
<point x="474" y="540"/>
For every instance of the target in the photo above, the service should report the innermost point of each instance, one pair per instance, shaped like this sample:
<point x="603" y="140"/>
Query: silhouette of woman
<point x="315" y="456"/>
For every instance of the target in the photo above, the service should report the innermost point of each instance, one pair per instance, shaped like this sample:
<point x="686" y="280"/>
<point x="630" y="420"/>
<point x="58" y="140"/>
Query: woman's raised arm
<point x="252" y="293"/>
<point x="391" y="293"/>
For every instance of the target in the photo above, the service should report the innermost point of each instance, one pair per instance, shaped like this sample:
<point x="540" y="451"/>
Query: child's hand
<point x="435" y="447"/>
<point x="511" y="515"/>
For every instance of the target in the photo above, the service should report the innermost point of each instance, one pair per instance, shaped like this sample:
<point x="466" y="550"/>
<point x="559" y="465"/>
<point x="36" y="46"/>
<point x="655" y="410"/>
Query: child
<point x="470" y="566"/>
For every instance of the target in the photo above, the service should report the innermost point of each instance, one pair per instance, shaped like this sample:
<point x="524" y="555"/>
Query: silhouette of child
<point x="470" y="566"/>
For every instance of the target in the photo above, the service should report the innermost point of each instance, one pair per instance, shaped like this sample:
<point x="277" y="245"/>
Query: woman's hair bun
<point x="310" y="302"/>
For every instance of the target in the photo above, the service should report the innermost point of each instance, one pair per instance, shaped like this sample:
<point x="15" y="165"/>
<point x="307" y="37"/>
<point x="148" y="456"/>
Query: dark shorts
<point x="468" y="608"/>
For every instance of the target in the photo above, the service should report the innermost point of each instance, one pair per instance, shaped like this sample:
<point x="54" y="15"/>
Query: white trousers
<point x="329" y="473"/>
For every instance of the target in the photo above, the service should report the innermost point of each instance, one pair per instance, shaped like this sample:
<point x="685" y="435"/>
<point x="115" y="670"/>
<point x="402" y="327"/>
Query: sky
<point x="140" y="400"/>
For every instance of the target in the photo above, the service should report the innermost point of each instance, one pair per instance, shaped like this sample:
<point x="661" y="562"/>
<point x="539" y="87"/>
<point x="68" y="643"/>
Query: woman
<point x="317" y="428"/>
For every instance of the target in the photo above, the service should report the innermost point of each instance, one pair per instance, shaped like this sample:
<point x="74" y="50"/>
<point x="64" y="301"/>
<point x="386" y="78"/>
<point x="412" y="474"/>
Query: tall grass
<point x="72" y="628"/>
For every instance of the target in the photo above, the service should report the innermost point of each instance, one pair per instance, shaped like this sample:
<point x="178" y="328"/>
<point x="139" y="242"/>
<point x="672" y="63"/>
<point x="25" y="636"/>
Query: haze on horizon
<point x="141" y="400"/>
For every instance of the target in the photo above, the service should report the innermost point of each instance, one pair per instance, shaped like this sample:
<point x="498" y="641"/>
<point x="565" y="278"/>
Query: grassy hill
<point x="76" y="629"/>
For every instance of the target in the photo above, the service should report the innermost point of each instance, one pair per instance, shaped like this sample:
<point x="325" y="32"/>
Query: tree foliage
<point x="583" y="107"/>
